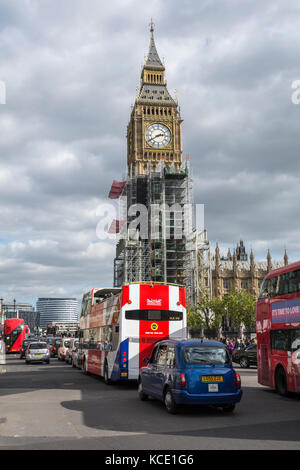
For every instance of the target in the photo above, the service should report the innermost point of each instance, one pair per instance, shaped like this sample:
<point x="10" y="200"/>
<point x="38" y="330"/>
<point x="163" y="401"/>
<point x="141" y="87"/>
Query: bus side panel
<point x="119" y="369"/>
<point x="94" y="361"/>
<point x="264" y="366"/>
<point x="130" y="330"/>
<point x="132" y="333"/>
<point x="177" y="329"/>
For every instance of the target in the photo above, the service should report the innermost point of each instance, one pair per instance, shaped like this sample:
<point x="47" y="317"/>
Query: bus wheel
<point x="281" y="382"/>
<point x="142" y="395"/>
<point x="106" y="378"/>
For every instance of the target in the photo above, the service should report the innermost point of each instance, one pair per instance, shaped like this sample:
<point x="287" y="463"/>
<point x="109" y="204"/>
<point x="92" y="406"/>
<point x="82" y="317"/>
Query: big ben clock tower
<point x="154" y="130"/>
<point x="157" y="232"/>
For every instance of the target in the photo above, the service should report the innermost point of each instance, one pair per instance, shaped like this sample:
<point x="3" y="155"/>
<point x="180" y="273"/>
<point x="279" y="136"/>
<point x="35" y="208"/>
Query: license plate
<point x="213" y="387"/>
<point x="212" y="378"/>
<point x="39" y="354"/>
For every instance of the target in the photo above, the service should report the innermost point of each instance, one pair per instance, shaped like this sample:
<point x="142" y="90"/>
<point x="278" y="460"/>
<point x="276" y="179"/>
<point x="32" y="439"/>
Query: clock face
<point x="158" y="135"/>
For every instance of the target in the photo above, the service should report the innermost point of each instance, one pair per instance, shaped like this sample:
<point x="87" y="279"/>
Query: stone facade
<point x="235" y="272"/>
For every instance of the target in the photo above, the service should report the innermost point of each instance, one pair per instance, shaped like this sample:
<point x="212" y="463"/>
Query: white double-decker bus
<point x="119" y="326"/>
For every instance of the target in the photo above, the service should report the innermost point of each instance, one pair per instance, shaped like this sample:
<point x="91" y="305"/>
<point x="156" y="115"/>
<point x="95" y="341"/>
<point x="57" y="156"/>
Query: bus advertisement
<point x="119" y="326"/>
<point x="15" y="331"/>
<point x="278" y="330"/>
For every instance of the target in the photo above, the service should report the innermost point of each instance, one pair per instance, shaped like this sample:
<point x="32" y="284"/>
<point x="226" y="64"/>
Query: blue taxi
<point x="190" y="372"/>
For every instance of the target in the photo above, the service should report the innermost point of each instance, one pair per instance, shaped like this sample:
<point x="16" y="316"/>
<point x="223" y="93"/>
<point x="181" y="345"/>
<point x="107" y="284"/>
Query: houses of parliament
<point x="237" y="272"/>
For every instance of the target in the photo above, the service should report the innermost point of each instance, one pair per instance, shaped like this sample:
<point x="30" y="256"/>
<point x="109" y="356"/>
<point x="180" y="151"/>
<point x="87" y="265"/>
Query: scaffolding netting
<point x="116" y="189"/>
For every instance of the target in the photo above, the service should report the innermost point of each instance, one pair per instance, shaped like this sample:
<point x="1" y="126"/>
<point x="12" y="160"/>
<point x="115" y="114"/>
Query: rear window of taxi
<point x="205" y="355"/>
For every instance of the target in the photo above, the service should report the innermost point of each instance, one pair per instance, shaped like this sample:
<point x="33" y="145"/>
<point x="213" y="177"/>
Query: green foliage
<point x="238" y="307"/>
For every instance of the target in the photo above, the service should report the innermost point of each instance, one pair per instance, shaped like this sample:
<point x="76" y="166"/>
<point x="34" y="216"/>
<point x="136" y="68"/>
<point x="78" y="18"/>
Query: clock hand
<point x="157" y="135"/>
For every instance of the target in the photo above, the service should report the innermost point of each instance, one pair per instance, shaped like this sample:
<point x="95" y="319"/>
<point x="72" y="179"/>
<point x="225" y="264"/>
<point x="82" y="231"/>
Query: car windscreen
<point x="197" y="355"/>
<point x="38" y="346"/>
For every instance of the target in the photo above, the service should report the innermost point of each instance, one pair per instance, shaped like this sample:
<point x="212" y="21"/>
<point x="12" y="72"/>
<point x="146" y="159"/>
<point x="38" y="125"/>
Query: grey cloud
<point x="71" y="74"/>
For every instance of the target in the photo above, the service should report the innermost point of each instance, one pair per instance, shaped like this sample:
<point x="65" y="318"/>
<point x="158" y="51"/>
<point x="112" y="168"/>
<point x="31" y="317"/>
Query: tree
<point x="240" y="308"/>
<point x="206" y="312"/>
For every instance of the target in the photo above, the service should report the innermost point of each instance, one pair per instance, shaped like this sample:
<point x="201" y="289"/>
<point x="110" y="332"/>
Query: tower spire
<point x="151" y="26"/>
<point x="153" y="59"/>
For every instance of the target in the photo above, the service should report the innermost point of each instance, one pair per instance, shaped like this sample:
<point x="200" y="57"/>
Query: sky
<point x="70" y="71"/>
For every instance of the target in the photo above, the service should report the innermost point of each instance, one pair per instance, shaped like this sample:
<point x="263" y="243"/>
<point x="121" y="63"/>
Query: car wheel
<point x="244" y="362"/>
<point x="48" y="361"/>
<point x="141" y="394"/>
<point x="281" y="382"/>
<point x="229" y="408"/>
<point x="27" y="362"/>
<point x="170" y="402"/>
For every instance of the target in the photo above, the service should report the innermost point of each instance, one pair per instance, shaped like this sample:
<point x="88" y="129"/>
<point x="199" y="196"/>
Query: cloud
<point x="71" y="71"/>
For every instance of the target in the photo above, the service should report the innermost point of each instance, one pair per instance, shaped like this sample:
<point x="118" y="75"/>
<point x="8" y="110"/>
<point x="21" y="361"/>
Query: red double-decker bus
<point x="120" y="326"/>
<point x="15" y="331"/>
<point x="278" y="330"/>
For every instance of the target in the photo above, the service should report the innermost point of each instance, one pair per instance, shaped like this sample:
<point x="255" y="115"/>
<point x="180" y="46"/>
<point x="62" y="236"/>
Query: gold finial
<point x="151" y="26"/>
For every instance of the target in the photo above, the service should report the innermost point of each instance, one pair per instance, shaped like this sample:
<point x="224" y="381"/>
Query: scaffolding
<point x="169" y="251"/>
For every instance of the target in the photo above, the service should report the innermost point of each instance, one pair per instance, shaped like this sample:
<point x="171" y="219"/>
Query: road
<point x="57" y="407"/>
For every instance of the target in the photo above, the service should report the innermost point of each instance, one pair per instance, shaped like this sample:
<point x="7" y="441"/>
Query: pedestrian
<point x="230" y="346"/>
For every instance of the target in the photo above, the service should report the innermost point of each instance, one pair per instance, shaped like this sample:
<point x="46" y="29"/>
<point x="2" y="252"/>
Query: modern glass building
<point x="57" y="310"/>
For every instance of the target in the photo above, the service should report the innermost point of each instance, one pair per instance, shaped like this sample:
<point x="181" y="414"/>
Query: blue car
<point x="190" y="372"/>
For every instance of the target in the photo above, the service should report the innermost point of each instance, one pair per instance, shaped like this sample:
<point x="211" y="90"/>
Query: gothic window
<point x="226" y="284"/>
<point x="244" y="284"/>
